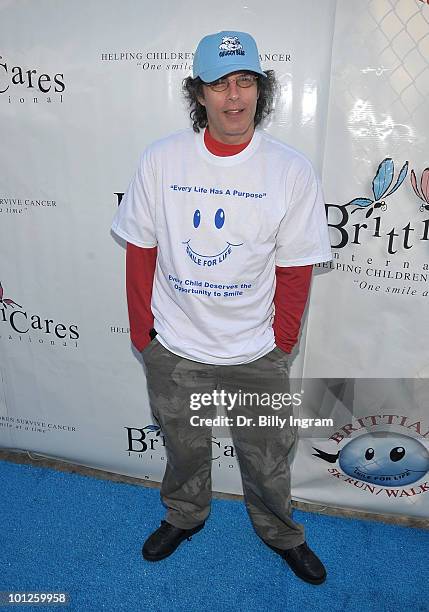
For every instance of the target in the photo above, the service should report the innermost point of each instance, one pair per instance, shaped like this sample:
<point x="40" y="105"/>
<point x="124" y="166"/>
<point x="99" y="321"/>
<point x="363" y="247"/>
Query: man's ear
<point x="201" y="100"/>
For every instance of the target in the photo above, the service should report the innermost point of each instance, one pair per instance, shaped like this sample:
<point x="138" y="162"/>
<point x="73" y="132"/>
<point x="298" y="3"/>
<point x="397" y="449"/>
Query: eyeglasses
<point x="243" y="80"/>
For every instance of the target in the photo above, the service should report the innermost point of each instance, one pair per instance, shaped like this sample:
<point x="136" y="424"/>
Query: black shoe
<point x="304" y="563"/>
<point x="164" y="541"/>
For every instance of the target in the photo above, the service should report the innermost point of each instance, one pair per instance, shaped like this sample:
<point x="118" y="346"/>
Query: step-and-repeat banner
<point x="84" y="87"/>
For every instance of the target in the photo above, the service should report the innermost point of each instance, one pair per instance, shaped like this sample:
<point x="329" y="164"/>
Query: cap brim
<point x="216" y="73"/>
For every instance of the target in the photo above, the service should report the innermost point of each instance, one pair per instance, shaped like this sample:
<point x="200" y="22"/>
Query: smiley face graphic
<point x="216" y="223"/>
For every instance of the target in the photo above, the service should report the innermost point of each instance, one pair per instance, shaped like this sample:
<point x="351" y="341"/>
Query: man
<point x="224" y="223"/>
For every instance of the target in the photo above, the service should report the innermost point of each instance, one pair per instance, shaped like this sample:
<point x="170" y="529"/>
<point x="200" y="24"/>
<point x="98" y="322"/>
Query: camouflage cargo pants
<point x="261" y="450"/>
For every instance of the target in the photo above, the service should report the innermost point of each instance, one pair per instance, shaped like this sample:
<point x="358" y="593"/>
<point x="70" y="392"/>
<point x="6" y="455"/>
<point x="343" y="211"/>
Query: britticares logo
<point x="374" y="226"/>
<point x="381" y="187"/>
<point x="142" y="439"/>
<point x="150" y="438"/>
<point x="29" y="79"/>
<point x="7" y="301"/>
<point x="24" y="324"/>
<point x="423" y="192"/>
<point x="28" y="85"/>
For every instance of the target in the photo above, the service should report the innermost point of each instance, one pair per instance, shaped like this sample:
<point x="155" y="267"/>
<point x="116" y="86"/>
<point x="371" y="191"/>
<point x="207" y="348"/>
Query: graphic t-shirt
<point x="221" y="225"/>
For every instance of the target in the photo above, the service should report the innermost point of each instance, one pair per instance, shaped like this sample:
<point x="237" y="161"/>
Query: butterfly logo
<point x="6" y="301"/>
<point x="424" y="187"/>
<point x="380" y="187"/>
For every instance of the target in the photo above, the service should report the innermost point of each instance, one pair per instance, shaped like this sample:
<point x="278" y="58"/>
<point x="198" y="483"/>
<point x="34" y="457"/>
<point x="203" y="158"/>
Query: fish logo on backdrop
<point x="33" y="328"/>
<point x="385" y="230"/>
<point x="378" y="460"/>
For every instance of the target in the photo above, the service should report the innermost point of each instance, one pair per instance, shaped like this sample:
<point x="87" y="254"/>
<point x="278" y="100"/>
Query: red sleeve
<point x="290" y="298"/>
<point x="139" y="279"/>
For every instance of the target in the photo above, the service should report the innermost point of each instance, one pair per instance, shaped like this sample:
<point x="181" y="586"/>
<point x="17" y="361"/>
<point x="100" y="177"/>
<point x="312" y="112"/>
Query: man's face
<point x="231" y="113"/>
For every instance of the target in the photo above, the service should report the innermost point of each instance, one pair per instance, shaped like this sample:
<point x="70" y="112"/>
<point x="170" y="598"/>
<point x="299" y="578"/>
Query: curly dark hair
<point x="193" y="88"/>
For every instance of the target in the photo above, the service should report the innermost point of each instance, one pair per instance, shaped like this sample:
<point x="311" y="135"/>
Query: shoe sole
<point x="304" y="577"/>
<point x="165" y="555"/>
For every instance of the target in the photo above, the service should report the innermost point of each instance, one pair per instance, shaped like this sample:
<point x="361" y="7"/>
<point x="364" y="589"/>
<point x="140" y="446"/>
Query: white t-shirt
<point x="221" y="225"/>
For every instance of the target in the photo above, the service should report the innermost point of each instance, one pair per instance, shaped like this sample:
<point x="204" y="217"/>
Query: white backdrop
<point x="366" y="357"/>
<point x="77" y="107"/>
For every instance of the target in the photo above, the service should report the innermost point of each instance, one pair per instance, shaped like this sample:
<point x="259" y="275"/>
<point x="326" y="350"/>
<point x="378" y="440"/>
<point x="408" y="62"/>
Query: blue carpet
<point x="66" y="532"/>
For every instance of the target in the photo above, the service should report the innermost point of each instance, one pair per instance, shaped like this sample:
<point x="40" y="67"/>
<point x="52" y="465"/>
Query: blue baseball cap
<point x="225" y="52"/>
